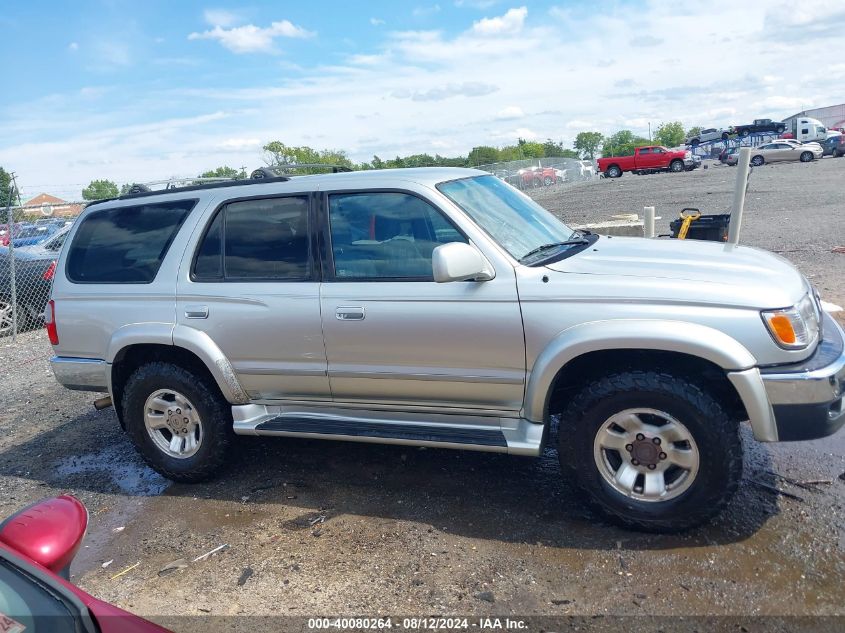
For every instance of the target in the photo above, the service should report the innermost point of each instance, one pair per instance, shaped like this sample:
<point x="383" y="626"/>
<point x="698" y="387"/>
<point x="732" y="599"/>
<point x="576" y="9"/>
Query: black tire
<point x="806" y="157"/>
<point x="715" y="433"/>
<point x="694" y="142"/>
<point x="548" y="181"/>
<point x="676" y="166"/>
<point x="613" y="172"/>
<point x="725" y="136"/>
<point x="757" y="161"/>
<point x="214" y="411"/>
<point x="536" y="183"/>
<point x="745" y="133"/>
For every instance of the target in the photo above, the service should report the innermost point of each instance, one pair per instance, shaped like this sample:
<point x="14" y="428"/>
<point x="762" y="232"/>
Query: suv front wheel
<point x="650" y="451"/>
<point x="179" y="421"/>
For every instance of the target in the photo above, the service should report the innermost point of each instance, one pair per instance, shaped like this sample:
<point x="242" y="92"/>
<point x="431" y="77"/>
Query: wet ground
<point x="319" y="528"/>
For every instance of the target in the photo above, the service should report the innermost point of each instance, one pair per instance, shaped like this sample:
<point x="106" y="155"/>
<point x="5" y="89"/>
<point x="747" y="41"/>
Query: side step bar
<point x="411" y="433"/>
<point x="516" y="436"/>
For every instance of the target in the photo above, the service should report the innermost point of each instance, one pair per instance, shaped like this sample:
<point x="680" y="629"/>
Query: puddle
<point x="125" y="471"/>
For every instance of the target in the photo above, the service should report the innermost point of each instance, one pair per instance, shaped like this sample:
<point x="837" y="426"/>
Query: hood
<point x="693" y="270"/>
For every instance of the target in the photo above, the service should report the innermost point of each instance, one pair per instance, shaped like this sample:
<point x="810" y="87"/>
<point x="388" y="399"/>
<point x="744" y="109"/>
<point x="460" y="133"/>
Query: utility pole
<point x="649" y="131"/>
<point x="11" y="224"/>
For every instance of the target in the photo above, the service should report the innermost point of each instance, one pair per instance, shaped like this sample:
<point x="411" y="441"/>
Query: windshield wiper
<point x="546" y="247"/>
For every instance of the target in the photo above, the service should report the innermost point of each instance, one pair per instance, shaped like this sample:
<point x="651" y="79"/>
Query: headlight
<point x="796" y="327"/>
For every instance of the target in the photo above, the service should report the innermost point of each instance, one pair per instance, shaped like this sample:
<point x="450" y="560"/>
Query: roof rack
<point x="260" y="175"/>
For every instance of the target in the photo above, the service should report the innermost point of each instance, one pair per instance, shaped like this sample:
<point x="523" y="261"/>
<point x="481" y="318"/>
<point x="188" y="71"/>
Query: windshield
<point x="514" y="220"/>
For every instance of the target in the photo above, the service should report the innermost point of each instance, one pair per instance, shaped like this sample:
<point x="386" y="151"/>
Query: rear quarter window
<point x="125" y="245"/>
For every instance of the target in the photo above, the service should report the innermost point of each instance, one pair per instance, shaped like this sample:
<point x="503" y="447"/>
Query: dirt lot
<point x="324" y="528"/>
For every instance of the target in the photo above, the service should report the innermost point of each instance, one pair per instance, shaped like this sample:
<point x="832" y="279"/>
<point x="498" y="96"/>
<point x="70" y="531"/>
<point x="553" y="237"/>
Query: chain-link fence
<point x="31" y="237"/>
<point x="532" y="173"/>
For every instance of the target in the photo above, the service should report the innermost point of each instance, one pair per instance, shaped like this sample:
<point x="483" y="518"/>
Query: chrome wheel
<point x="6" y="321"/>
<point x="646" y="454"/>
<point x="173" y="423"/>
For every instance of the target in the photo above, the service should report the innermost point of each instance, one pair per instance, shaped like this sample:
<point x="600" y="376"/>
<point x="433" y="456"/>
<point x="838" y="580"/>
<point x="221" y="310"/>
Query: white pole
<point x="648" y="227"/>
<point x="743" y="168"/>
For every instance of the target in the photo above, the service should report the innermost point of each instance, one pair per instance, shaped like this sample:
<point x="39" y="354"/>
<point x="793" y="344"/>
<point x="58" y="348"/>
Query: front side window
<point x="511" y="218"/>
<point x="265" y="239"/>
<point x="125" y="245"/>
<point x="386" y="236"/>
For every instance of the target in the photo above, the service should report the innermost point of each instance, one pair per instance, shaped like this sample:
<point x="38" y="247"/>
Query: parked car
<point x="37" y="546"/>
<point x="35" y="267"/>
<point x="540" y="176"/>
<point x="440" y="307"/>
<point x="29" y="234"/>
<point x="726" y="153"/>
<point x="785" y="150"/>
<point x="709" y="134"/>
<point x="834" y="146"/>
<point x="646" y="159"/>
<point x="759" y="125"/>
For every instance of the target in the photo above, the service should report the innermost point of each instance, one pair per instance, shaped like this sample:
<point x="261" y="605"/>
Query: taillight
<point x="50" y="322"/>
<point x="50" y="272"/>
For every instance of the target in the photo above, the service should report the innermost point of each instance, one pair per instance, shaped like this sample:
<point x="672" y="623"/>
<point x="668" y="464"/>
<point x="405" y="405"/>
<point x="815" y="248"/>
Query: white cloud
<point x="466" y="89"/>
<point x="250" y="38"/>
<point x="425" y="11"/>
<point x="73" y="46"/>
<point x="221" y="17"/>
<point x="453" y="86"/>
<point x="510" y="22"/>
<point x="511" y="112"/>
<point x="377" y="21"/>
<point x="475" y="4"/>
<point x="645" y="41"/>
<point x="239" y="143"/>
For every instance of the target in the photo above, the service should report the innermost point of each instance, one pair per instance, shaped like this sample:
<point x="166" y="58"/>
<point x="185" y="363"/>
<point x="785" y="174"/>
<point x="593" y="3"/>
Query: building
<point x="48" y="205"/>
<point x="830" y="117"/>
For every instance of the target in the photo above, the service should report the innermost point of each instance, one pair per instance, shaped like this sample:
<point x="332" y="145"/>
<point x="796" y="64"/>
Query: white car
<point x="784" y="150"/>
<point x="709" y="134"/>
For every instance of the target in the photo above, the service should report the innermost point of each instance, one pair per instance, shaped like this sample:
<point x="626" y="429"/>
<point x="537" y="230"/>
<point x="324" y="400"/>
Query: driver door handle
<point x="349" y="313"/>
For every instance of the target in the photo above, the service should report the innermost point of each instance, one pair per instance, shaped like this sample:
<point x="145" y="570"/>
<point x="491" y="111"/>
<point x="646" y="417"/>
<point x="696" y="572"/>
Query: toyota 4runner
<point x="440" y="307"/>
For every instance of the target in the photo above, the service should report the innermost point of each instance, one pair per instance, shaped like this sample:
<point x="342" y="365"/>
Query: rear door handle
<point x="196" y="312"/>
<point x="349" y="313"/>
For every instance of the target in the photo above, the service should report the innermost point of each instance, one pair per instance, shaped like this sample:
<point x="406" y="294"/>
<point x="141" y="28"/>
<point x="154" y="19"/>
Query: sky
<point x="135" y="92"/>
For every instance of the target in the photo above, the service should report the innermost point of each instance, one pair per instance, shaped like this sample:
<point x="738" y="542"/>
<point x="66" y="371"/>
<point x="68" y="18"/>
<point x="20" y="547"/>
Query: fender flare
<point x="647" y="334"/>
<point x="199" y="343"/>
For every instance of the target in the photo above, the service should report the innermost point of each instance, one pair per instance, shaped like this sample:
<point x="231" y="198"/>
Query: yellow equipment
<point x="688" y="218"/>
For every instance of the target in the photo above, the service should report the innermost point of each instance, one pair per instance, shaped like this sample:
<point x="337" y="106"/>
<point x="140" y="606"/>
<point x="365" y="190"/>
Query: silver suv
<point x="442" y="308"/>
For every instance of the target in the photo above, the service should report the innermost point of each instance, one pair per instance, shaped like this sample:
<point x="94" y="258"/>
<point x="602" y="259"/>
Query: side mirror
<point x="49" y="532"/>
<point x="457" y="261"/>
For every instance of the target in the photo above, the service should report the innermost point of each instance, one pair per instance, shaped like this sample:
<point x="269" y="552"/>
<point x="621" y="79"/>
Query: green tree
<point x="531" y="149"/>
<point x="557" y="150"/>
<point x="483" y="155"/>
<point x="694" y="131"/>
<point x="588" y="143"/>
<point x="623" y="143"/>
<point x="669" y="134"/>
<point x="277" y="154"/>
<point x="99" y="189"/>
<point x="224" y="172"/>
<point x="5" y="188"/>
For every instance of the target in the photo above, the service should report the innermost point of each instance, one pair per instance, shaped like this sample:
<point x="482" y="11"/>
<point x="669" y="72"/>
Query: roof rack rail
<point x="286" y="166"/>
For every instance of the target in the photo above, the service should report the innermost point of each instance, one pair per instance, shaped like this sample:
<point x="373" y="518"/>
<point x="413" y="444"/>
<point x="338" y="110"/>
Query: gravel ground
<point x="326" y="528"/>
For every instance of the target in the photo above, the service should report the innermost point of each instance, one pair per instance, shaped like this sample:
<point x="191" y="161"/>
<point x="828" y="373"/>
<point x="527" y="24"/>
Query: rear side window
<point x="263" y="239"/>
<point x="125" y="245"/>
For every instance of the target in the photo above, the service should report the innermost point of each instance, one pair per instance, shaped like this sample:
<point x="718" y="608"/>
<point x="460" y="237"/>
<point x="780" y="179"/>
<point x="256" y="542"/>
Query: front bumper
<point x="81" y="374"/>
<point x="807" y="397"/>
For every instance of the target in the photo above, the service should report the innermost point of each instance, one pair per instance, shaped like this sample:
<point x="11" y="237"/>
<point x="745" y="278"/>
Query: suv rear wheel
<point x="179" y="421"/>
<point x="650" y="451"/>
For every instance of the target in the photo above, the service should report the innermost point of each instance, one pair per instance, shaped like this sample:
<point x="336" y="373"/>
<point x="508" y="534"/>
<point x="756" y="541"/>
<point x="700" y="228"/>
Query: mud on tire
<point x="715" y="434"/>
<point x="209" y="404"/>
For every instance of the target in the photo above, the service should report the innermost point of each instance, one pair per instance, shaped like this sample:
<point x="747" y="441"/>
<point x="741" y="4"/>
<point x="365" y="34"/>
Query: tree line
<point x="586" y="146"/>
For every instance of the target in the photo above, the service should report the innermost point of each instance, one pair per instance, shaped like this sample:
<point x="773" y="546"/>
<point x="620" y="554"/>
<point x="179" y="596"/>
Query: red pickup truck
<point x="647" y="160"/>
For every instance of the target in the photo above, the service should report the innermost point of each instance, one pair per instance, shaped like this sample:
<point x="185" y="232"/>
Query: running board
<point x="411" y="433"/>
<point x="501" y="435"/>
